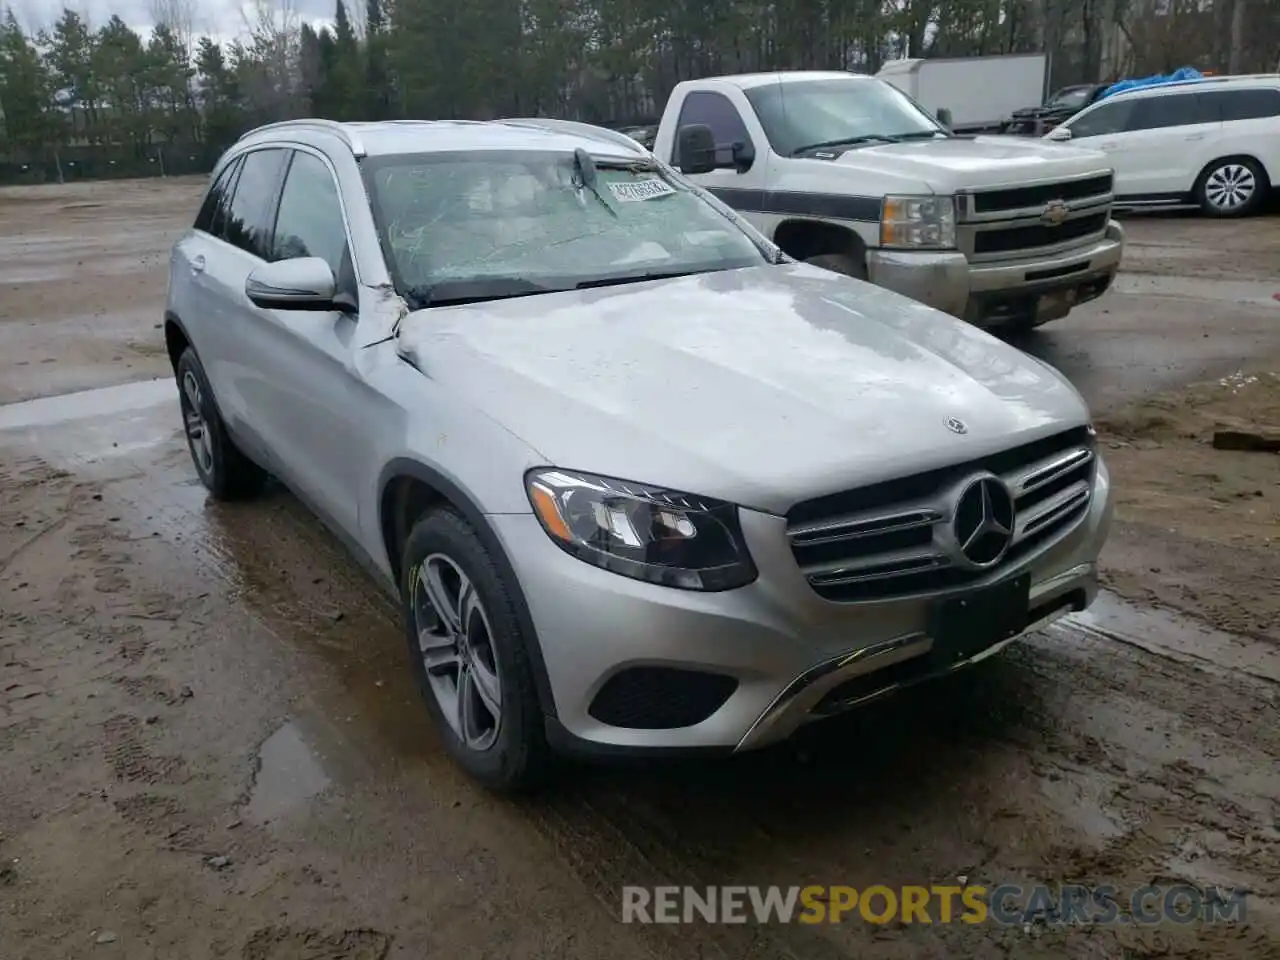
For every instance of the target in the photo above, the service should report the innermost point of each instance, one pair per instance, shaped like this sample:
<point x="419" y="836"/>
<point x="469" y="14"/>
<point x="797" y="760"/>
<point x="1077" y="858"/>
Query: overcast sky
<point x="223" y="18"/>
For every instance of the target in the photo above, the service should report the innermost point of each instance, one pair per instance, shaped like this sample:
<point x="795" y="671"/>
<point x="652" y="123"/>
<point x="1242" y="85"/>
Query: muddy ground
<point x="211" y="746"/>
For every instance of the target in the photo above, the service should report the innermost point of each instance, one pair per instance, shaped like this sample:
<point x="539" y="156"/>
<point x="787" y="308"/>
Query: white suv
<point x="1213" y="142"/>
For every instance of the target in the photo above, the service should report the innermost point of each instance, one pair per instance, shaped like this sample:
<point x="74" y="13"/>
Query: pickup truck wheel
<point x="1234" y="187"/>
<point x="226" y="472"/>
<point x="845" y="263"/>
<point x="469" y="655"/>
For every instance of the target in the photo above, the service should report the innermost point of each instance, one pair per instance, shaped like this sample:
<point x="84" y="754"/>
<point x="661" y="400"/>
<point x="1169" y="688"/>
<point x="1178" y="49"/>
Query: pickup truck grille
<point x="894" y="539"/>
<point x="1006" y="223"/>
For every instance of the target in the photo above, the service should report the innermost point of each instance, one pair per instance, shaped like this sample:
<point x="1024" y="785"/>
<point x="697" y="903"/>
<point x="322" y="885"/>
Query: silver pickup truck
<point x="846" y="172"/>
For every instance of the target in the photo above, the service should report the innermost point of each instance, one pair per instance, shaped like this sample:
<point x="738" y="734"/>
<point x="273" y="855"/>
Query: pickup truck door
<point x="741" y="186"/>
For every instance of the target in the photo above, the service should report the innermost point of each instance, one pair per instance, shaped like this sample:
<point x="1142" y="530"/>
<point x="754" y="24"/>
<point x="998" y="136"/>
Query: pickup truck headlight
<point x="659" y="536"/>
<point x="918" y="223"/>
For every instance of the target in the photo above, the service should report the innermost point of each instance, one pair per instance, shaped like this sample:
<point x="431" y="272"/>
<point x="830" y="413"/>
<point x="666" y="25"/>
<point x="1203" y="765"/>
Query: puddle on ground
<point x="288" y="775"/>
<point x="1170" y="635"/>
<point x="76" y="429"/>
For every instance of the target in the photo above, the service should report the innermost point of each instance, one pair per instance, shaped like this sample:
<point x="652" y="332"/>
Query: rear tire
<point x="471" y="662"/>
<point x="226" y="472"/>
<point x="845" y="263"/>
<point x="1232" y="187"/>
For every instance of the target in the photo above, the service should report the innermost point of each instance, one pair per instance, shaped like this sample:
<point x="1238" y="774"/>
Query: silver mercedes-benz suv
<point x="640" y="482"/>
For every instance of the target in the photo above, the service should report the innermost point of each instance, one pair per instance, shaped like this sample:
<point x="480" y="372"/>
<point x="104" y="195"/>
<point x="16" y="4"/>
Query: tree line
<point x="84" y="100"/>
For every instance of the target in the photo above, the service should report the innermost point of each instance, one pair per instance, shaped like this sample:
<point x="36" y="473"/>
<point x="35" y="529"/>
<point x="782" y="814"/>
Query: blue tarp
<point x="1184" y="73"/>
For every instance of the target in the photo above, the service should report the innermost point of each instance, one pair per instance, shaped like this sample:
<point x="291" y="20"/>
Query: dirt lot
<point x="212" y="748"/>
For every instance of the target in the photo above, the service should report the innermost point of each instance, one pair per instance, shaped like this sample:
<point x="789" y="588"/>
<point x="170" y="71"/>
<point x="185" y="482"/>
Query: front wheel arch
<point x="408" y="489"/>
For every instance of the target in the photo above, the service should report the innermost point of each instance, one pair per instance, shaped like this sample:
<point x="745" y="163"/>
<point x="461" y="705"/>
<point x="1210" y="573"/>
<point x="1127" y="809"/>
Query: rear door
<point x="239" y="242"/>
<point x="1168" y="140"/>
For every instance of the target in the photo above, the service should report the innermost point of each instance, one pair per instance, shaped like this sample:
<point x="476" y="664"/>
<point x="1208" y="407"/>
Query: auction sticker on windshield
<point x="633" y="190"/>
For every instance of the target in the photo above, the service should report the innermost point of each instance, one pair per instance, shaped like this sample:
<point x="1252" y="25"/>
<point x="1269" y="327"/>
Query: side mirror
<point x="1059" y="133"/>
<point x="943" y="116"/>
<point x="744" y="155"/>
<point x="303" y="283"/>
<point x="695" y="149"/>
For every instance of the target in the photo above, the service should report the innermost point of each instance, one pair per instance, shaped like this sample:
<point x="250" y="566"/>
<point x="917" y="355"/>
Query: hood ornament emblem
<point x="1054" y="213"/>
<point x="956" y="426"/>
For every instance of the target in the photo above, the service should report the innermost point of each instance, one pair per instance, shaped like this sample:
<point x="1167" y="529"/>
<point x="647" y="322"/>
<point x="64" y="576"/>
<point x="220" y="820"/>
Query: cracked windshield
<point x="524" y="224"/>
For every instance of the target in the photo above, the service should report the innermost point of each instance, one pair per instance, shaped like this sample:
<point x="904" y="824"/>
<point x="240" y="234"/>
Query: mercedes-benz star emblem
<point x="984" y="522"/>
<point x="956" y="426"/>
<point x="1054" y="213"/>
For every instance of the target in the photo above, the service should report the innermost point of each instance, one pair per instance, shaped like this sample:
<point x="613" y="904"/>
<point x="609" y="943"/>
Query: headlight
<point x="919" y="223"/>
<point x="660" y="536"/>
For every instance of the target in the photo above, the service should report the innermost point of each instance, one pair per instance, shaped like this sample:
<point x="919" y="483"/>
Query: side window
<point x="717" y="112"/>
<point x="1250" y="104"/>
<point x="213" y="199"/>
<point x="1173" y="110"/>
<point x="309" y="222"/>
<point x="218" y="226"/>
<point x="247" y="223"/>
<point x="1105" y="119"/>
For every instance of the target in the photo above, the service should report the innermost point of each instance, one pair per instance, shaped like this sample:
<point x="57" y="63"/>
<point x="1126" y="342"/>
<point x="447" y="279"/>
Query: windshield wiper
<point x="637" y="277"/>
<point x="478" y="290"/>
<point x="845" y="142"/>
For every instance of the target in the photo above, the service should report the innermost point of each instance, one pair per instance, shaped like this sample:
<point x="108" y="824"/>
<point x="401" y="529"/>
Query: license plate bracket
<point x="962" y="627"/>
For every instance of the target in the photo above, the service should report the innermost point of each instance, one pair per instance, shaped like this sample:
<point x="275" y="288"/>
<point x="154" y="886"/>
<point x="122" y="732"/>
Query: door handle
<point x="1195" y="136"/>
<point x="197" y="264"/>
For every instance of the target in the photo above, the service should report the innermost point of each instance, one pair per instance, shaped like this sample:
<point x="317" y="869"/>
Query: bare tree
<point x="180" y="17"/>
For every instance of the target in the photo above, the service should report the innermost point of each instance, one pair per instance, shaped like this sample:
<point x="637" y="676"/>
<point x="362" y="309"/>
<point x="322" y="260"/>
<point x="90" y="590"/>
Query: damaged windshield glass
<point x="468" y="227"/>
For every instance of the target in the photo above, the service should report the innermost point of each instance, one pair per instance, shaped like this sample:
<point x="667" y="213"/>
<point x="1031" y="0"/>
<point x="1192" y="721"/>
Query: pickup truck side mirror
<point x="695" y="149"/>
<point x="744" y="155"/>
<point x="1059" y="133"/>
<point x="943" y="116"/>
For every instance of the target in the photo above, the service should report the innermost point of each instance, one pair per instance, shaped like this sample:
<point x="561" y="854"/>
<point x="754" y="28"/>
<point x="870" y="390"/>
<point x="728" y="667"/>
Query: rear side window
<point x="1103" y="120"/>
<point x="1250" y="104"/>
<point x="1173" y="110"/>
<point x="216" y="198"/>
<point x="248" y="223"/>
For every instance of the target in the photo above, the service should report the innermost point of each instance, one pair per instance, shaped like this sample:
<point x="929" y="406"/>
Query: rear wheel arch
<point x="175" y="338"/>
<point x="407" y="490"/>
<point x="1264" y="183"/>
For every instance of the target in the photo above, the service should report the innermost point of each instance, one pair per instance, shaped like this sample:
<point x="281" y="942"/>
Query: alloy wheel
<point x="1230" y="186"/>
<point x="198" y="438"/>
<point x="455" y="641"/>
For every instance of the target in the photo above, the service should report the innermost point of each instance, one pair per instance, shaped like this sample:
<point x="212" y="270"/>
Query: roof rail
<point x="1200" y="82"/>
<point x="341" y="131"/>
<point x="577" y="128"/>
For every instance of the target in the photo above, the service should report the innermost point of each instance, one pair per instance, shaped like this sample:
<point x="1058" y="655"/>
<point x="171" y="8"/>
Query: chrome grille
<point x="1002" y="223"/>
<point x="891" y="539"/>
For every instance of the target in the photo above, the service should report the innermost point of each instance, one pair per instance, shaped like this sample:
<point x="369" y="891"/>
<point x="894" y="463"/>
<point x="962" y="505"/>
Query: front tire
<point x="1234" y="187"/>
<point x="469" y="655"/>
<point x="226" y="472"/>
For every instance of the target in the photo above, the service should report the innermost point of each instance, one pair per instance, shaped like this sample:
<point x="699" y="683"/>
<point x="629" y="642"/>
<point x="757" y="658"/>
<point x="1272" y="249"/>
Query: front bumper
<point x="993" y="294"/>
<point x="785" y="647"/>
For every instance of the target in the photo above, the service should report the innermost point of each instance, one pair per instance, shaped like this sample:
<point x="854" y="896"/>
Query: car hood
<point x="761" y="386"/>
<point x="964" y="163"/>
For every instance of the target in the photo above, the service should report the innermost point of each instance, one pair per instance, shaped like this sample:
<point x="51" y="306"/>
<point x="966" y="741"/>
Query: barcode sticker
<point x="633" y="190"/>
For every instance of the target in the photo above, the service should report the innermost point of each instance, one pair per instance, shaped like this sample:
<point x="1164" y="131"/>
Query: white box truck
<point x="980" y="93"/>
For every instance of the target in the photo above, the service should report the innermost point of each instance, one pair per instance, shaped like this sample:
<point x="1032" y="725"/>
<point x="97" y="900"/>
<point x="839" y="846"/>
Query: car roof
<point x="1242" y="81"/>
<point x="396" y="137"/>
<point x="748" y="80"/>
